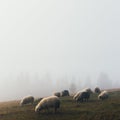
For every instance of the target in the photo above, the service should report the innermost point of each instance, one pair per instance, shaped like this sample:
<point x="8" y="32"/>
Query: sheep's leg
<point x="47" y="110"/>
<point x="55" y="109"/>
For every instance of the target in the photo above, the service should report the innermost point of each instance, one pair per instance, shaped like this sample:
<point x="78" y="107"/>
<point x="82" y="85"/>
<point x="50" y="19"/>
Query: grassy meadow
<point x="69" y="110"/>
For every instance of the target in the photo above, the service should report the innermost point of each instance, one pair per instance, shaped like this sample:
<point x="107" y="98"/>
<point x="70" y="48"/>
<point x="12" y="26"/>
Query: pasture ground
<point x="69" y="110"/>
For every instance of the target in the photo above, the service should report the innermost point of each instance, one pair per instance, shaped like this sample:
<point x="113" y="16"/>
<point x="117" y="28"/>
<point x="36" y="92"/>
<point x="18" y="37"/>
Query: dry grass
<point x="69" y="110"/>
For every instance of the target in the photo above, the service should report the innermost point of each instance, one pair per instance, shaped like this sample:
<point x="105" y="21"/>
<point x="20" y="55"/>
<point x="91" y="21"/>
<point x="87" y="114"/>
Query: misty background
<point x="50" y="45"/>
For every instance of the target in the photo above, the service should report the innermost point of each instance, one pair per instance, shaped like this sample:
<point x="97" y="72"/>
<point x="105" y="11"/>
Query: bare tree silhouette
<point x="104" y="81"/>
<point x="72" y="88"/>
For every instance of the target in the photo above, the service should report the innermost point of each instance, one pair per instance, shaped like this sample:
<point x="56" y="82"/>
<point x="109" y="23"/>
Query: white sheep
<point x="48" y="102"/>
<point x="103" y="95"/>
<point x="77" y="95"/>
<point x="27" y="100"/>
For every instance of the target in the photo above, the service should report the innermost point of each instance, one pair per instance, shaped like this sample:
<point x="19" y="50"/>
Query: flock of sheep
<point x="54" y="100"/>
<point x="84" y="94"/>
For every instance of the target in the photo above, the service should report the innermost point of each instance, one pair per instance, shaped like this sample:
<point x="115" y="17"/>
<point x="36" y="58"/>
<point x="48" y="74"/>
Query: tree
<point x="72" y="88"/>
<point x="87" y="82"/>
<point x="104" y="82"/>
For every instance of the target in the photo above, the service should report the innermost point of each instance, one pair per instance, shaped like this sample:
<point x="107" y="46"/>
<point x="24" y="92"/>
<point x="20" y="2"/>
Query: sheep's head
<point x="99" y="97"/>
<point x="38" y="109"/>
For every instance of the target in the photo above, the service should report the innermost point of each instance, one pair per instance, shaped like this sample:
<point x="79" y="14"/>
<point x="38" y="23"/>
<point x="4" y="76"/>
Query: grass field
<point x="69" y="110"/>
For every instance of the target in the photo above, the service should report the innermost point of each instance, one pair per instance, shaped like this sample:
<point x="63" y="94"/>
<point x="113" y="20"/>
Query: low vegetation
<point x="69" y="110"/>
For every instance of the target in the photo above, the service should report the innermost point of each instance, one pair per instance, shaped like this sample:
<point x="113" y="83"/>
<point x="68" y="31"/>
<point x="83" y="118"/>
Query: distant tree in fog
<point x="23" y="79"/>
<point x="104" y="81"/>
<point x="23" y="83"/>
<point x="116" y="84"/>
<point x="87" y="82"/>
<point x="62" y="83"/>
<point x="72" y="88"/>
<point x="47" y="80"/>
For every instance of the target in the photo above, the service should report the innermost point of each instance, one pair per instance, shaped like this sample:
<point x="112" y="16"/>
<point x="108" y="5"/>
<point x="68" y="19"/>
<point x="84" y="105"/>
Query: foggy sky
<point x="44" y="44"/>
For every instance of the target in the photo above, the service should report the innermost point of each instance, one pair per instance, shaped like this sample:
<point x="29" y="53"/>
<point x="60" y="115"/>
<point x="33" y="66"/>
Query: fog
<point x="51" y="45"/>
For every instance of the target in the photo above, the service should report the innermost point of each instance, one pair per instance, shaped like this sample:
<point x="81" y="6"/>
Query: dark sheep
<point x="65" y="93"/>
<point x="83" y="97"/>
<point x="57" y="94"/>
<point x="97" y="90"/>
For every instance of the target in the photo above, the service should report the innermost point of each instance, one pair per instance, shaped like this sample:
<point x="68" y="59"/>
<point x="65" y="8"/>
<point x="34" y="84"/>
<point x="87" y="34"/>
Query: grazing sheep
<point x="48" y="102"/>
<point x="88" y="90"/>
<point x="27" y="100"/>
<point x="65" y="93"/>
<point x="103" y="95"/>
<point x="81" y="93"/>
<point x="97" y="90"/>
<point x="76" y="95"/>
<point x="57" y="94"/>
<point x="83" y="96"/>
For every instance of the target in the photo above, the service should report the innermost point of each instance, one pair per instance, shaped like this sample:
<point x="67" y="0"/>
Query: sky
<point x="46" y="45"/>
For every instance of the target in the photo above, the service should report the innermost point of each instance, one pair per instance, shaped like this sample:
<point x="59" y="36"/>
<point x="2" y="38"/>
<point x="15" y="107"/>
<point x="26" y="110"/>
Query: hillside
<point x="69" y="110"/>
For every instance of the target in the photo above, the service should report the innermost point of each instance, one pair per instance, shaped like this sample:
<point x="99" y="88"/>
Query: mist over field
<point x="48" y="46"/>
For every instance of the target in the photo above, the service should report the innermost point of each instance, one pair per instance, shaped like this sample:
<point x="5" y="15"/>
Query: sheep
<point x="79" y="93"/>
<point x="97" y="90"/>
<point x="65" y="93"/>
<point x="88" y="90"/>
<point x="103" y="95"/>
<point x="48" y="102"/>
<point x="83" y="96"/>
<point x="27" y="100"/>
<point x="57" y="94"/>
<point x="76" y="95"/>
